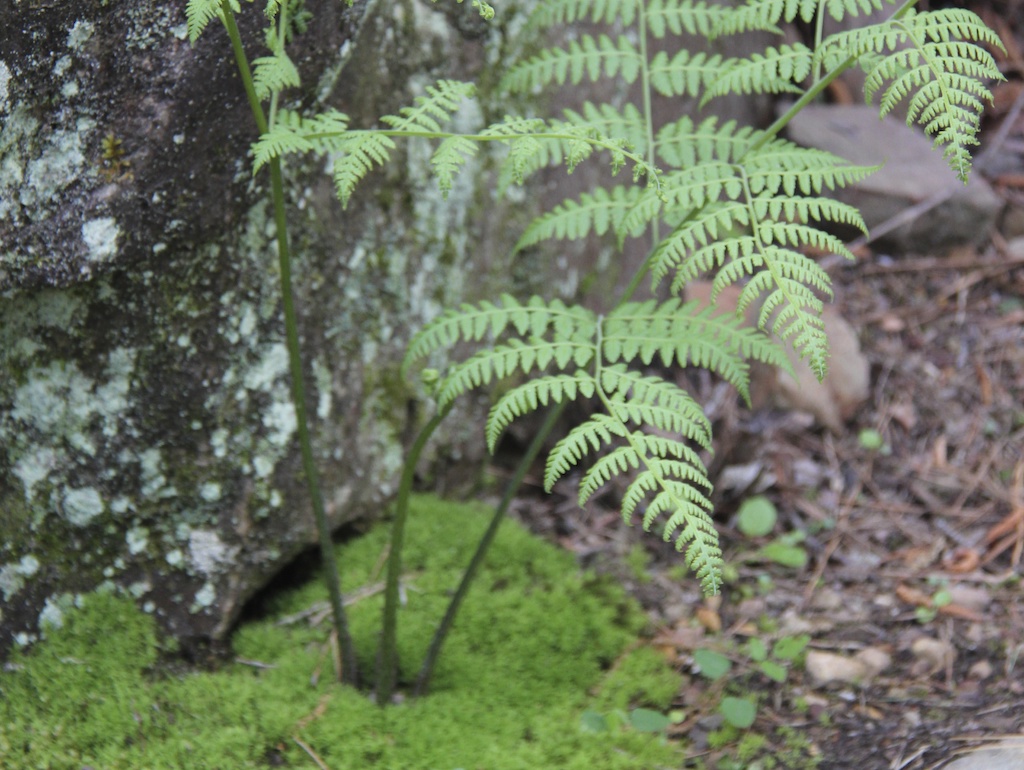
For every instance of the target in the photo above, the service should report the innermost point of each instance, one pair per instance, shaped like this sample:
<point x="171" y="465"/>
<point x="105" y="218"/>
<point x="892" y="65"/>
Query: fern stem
<point x="645" y="85"/>
<point x="819" y="31"/>
<point x="228" y="17"/>
<point x="387" y="662"/>
<point x="441" y="634"/>
<point x="349" y="670"/>
<point x="815" y="90"/>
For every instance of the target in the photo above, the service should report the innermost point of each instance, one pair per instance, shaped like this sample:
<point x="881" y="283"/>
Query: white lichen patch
<point x="154" y="483"/>
<point x="81" y="506"/>
<point x="13" y="576"/>
<point x="52" y="614"/>
<point x="205" y="597"/>
<point x="60" y="163"/>
<point x="137" y="539"/>
<point x="210" y="491"/>
<point x="35" y="467"/>
<point x="324" y="383"/>
<point x="100" y="239"/>
<point x="5" y="83"/>
<point x="79" y="34"/>
<point x="208" y="553"/>
<point x="272" y="366"/>
<point x="280" y="422"/>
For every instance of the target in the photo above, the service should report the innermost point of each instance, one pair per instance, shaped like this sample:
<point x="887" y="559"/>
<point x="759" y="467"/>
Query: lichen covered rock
<point x="147" y="436"/>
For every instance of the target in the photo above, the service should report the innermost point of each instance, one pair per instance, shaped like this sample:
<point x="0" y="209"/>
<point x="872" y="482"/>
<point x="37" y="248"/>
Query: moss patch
<point x="529" y="654"/>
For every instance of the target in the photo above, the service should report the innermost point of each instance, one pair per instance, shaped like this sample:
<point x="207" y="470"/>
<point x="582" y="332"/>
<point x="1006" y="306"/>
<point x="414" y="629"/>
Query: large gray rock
<point x="147" y="437"/>
<point x="914" y="172"/>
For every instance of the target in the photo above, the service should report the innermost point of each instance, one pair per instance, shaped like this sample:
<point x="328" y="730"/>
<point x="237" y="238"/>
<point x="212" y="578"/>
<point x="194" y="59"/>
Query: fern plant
<point x="738" y="203"/>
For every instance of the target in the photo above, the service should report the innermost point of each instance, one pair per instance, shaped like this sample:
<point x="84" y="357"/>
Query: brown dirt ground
<point x="939" y="510"/>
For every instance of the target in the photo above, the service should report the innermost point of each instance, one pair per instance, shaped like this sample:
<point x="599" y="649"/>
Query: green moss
<point x="534" y="638"/>
<point x="640" y="678"/>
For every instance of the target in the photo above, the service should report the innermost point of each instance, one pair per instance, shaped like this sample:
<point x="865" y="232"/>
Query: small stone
<point x="932" y="654"/>
<point x="875" y="659"/>
<point x="1008" y="755"/>
<point x="980" y="670"/>
<point x="972" y="597"/>
<point x="825" y="667"/>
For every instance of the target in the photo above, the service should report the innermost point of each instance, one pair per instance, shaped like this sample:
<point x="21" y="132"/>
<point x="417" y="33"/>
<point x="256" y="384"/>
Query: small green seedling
<point x="757" y="516"/>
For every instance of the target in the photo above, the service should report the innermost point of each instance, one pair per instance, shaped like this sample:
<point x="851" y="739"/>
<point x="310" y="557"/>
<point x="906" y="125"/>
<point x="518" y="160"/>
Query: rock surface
<point x="913" y="173"/>
<point x="147" y="437"/>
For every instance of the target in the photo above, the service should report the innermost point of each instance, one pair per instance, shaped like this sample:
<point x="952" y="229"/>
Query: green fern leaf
<point x="596" y="212"/>
<point x="361" y="150"/>
<point x="619" y="461"/>
<point x="682" y="144"/>
<point x="199" y="13"/>
<point x="777" y="70"/>
<point x="796" y="307"/>
<point x="694" y="17"/>
<point x="292" y="133"/>
<point x="473" y="323"/>
<point x="593" y="435"/>
<point x="685" y="74"/>
<point x="449" y="157"/>
<point x="627" y="123"/>
<point x="687" y="508"/>
<point x="531" y="396"/>
<point x="557" y="12"/>
<point x="936" y="61"/>
<point x="272" y="74"/>
<point x="767" y="15"/>
<point x="428" y="112"/>
<point x="514" y="357"/>
<point x="687" y="334"/>
<point x="591" y="58"/>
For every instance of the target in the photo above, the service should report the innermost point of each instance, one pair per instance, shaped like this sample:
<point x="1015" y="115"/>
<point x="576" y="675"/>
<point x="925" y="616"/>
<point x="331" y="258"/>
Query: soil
<point x="912" y="517"/>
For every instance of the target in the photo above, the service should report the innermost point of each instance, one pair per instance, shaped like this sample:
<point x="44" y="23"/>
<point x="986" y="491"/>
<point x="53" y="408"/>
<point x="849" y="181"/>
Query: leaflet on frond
<point x="777" y="70"/>
<point x="588" y="58"/>
<point x="693" y="17"/>
<point x="597" y="213"/>
<point x="433" y="109"/>
<point x="938" y="62"/>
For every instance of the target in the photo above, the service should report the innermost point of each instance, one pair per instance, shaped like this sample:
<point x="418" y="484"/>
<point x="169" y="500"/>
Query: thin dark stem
<point x="427" y="670"/>
<point x="349" y="670"/>
<point x="387" y="662"/>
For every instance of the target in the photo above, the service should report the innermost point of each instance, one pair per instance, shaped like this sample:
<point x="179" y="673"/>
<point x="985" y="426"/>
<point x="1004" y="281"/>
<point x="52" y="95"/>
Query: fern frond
<point x="694" y="17"/>
<point x="627" y="123"/>
<point x="775" y="71"/>
<point x="685" y="74"/>
<point x="596" y="212"/>
<point x="629" y="392"/>
<point x="292" y="133"/>
<point x="472" y="323"/>
<point x="199" y="13"/>
<point x="687" y="508"/>
<point x="621" y="460"/>
<point x="360" y="151"/>
<point x="429" y="111"/>
<point x="591" y="58"/>
<point x="681" y="144"/>
<point x="558" y="12"/>
<point x="938" y="62"/>
<point x="448" y="158"/>
<point x="272" y="74"/>
<point x="532" y="395"/>
<point x="685" y="334"/>
<point x="514" y="357"/>
<point x="592" y="435"/>
<point x="767" y="15"/>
